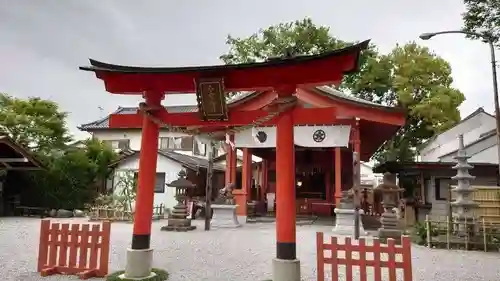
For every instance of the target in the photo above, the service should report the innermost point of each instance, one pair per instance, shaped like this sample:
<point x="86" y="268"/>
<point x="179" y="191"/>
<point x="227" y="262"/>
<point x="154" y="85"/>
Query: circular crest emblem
<point x="261" y="136"/>
<point x="319" y="136"/>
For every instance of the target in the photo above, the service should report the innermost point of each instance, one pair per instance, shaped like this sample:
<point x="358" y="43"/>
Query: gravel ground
<point x="231" y="254"/>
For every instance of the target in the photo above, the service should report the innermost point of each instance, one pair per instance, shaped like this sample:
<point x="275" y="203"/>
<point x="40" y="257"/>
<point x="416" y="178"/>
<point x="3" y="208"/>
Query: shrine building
<point x="305" y="132"/>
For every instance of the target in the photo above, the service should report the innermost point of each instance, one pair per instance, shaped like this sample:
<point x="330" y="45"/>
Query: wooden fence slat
<point x="391" y="261"/>
<point x="73" y="245"/>
<point x="43" y="247"/>
<point x="53" y="241"/>
<point x="84" y="247"/>
<point x="407" y="266"/>
<point x="362" y="260"/>
<point x="335" y="267"/>
<point x="376" y="259"/>
<point x="347" y="259"/>
<point x="320" y="256"/>
<point x="104" y="251"/>
<point x="63" y="248"/>
<point x="94" y="240"/>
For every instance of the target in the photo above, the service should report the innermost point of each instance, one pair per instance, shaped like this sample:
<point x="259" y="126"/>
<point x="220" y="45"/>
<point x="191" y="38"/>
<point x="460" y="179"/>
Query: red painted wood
<point x="43" y="247"/>
<point x="320" y="265"/>
<point x="63" y="250"/>
<point x="301" y="116"/>
<point x="323" y="71"/>
<point x="143" y="215"/>
<point x="92" y="256"/>
<point x="285" y="180"/>
<point x="390" y="249"/>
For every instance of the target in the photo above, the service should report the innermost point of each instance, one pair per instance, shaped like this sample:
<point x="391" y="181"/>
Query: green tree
<point x="34" y="123"/>
<point x="483" y="17"/>
<point x="74" y="177"/>
<point x="410" y="77"/>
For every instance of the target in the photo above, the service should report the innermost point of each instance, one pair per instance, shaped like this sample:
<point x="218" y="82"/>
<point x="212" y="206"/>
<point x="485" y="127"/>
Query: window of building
<point x="164" y="143"/>
<point x="199" y="148"/>
<point x="118" y="144"/>
<point x="176" y="143"/>
<point x="440" y="190"/>
<point x="159" y="182"/>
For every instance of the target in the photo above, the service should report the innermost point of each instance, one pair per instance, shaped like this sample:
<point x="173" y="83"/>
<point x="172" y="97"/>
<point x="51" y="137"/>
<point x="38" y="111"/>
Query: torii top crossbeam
<point x="313" y="70"/>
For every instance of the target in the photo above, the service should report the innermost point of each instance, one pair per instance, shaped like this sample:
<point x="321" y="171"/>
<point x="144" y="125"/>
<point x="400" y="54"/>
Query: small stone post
<point x="463" y="204"/>
<point x="390" y="197"/>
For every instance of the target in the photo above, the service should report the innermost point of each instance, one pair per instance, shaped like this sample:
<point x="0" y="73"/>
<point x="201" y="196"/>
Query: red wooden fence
<point x="378" y="249"/>
<point x="68" y="250"/>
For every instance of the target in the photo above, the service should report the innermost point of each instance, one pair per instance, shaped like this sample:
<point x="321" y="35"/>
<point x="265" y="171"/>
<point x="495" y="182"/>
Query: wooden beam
<point x="301" y="116"/>
<point x="13" y="160"/>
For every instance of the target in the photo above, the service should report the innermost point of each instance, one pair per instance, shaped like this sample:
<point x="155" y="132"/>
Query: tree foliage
<point x="73" y="174"/>
<point x="73" y="178"/>
<point x="483" y="17"/>
<point x="34" y="123"/>
<point x="410" y="77"/>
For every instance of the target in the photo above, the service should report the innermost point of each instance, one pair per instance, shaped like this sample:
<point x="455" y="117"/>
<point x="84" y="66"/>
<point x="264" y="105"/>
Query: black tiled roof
<point x="191" y="162"/>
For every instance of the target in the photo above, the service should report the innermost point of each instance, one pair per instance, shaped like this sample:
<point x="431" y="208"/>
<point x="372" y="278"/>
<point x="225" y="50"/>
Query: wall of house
<point x="368" y="177"/>
<point x="440" y="206"/>
<point x="484" y="151"/>
<point x="447" y="142"/>
<point x="164" y="165"/>
<point x="135" y="138"/>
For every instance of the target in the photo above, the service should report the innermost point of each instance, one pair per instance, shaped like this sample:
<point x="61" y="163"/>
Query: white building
<point x="479" y="131"/>
<point x="176" y="151"/>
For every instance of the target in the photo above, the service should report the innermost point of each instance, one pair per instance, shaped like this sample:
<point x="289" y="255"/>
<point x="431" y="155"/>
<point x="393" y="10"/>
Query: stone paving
<point x="242" y="254"/>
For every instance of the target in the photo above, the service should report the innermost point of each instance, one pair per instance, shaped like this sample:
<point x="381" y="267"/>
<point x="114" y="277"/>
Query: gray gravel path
<point x="222" y="255"/>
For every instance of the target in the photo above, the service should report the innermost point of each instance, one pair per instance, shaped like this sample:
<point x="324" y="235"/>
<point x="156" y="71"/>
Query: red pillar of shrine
<point x="140" y="256"/>
<point x="241" y="195"/>
<point x="285" y="266"/>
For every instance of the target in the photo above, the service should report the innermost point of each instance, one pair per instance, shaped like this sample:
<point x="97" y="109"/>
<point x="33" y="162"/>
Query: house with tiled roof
<point x="176" y="151"/>
<point x="479" y="131"/>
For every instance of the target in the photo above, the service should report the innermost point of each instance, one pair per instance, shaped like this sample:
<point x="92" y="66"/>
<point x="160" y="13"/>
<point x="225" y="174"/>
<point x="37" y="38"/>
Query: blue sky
<point x="42" y="42"/>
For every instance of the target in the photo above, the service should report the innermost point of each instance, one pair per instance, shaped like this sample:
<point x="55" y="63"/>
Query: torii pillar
<point x="140" y="254"/>
<point x="286" y="266"/>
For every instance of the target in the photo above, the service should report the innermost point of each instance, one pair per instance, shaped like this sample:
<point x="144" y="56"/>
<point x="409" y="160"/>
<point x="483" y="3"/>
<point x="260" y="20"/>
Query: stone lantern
<point x="390" y="200"/>
<point x="178" y="220"/>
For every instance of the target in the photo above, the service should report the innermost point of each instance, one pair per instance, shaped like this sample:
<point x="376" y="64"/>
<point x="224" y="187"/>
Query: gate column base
<point x="286" y="270"/>
<point x="139" y="263"/>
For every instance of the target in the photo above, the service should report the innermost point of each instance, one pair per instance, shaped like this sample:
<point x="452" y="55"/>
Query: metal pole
<point x="208" y="187"/>
<point x="495" y="94"/>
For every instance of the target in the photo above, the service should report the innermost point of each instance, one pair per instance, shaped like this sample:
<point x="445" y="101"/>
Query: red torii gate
<point x="282" y="76"/>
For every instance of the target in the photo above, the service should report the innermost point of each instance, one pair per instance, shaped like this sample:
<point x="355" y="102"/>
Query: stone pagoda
<point x="463" y="205"/>
<point x="178" y="220"/>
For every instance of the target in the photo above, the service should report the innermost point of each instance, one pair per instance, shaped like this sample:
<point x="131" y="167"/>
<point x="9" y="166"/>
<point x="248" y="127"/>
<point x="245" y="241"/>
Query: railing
<point x="355" y="256"/>
<point x="114" y="214"/>
<point x="83" y="251"/>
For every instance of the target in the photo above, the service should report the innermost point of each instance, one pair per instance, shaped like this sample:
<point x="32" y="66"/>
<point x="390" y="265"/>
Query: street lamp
<point x="427" y="36"/>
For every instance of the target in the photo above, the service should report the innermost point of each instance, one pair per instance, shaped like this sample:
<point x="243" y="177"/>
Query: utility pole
<point x="208" y="187"/>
